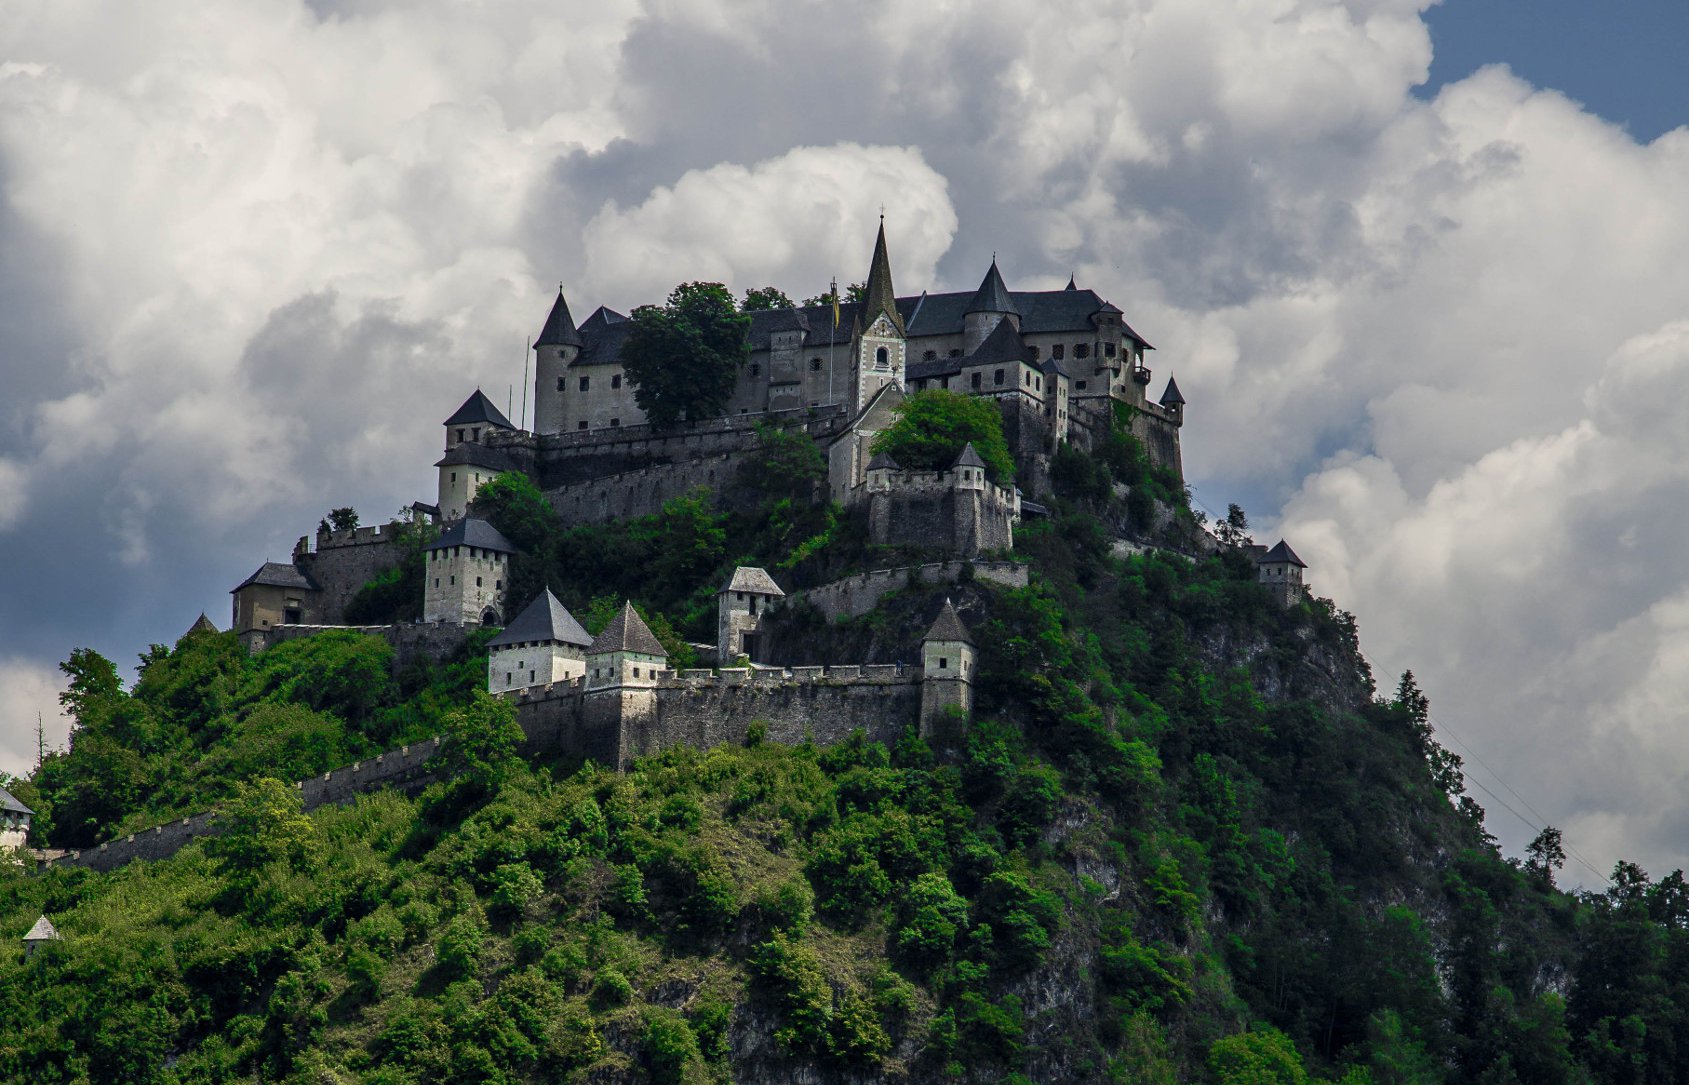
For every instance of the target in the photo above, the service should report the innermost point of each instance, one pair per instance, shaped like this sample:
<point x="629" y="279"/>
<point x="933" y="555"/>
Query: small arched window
<point x="882" y="357"/>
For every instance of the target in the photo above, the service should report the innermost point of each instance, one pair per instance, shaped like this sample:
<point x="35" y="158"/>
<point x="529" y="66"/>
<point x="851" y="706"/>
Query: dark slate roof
<point x="43" y="931"/>
<point x="992" y="296"/>
<point x="878" y="295"/>
<point x="545" y="621"/>
<point x="938" y="367"/>
<point x="1071" y="285"/>
<point x="559" y="330"/>
<point x="1004" y="344"/>
<point x="948" y="626"/>
<point x="202" y="624"/>
<point x="1281" y="553"/>
<point x="968" y="457"/>
<point x="426" y="509"/>
<point x="478" y="409"/>
<point x="1171" y="395"/>
<point x="274" y="574"/>
<point x="1052" y="365"/>
<point x="627" y="632"/>
<point x="471" y="532"/>
<point x="751" y="579"/>
<point x="10" y="803"/>
<point x="882" y="461"/>
<point x="478" y="455"/>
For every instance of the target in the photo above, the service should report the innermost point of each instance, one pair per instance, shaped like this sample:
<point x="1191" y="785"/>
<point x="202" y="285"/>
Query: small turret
<point x="15" y="819"/>
<point x="1173" y="401"/>
<point x="474" y="421"/>
<point x="991" y="305"/>
<point x="1281" y="571"/>
<point x="740" y="607"/>
<point x="39" y="935"/>
<point x="947" y="671"/>
<point x="557" y="347"/>
<point x="967" y="472"/>
<point x="626" y="653"/>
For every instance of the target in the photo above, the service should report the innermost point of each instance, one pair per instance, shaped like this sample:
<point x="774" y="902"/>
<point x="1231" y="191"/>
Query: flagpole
<point x="832" y="340"/>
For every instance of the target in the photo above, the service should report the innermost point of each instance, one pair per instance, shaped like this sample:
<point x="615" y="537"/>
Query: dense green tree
<point x="933" y="425"/>
<point x="684" y="357"/>
<point x="764" y="297"/>
<point x="264" y="823"/>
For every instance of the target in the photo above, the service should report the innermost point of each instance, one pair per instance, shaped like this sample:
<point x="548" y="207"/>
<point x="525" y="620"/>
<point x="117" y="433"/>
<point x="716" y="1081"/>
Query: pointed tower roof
<point x="992" y="296"/>
<point x="559" y="330"/>
<point x="477" y="410"/>
<point x="43" y="931"/>
<point x="1281" y="553"/>
<point x="879" y="297"/>
<point x="476" y="533"/>
<point x="1171" y="396"/>
<point x="882" y="461"/>
<point x="949" y="626"/>
<point x="545" y="621"/>
<point x="627" y="632"/>
<point x="202" y="624"/>
<point x="968" y="457"/>
<point x="1071" y="285"/>
<point x="9" y="803"/>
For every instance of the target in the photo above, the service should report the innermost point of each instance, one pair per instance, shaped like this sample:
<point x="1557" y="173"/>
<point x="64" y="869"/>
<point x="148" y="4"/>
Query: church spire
<point x="879" y="296"/>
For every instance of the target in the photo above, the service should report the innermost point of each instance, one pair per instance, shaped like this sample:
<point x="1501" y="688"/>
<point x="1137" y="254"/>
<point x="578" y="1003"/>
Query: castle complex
<point x="1061" y="366"/>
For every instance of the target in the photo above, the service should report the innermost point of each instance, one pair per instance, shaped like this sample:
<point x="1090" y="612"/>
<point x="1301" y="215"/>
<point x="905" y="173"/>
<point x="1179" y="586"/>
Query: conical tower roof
<point x="559" y="330"/>
<point x="949" y="626"/>
<point x="202" y="624"/>
<point x="992" y="296"/>
<point x="43" y="931"/>
<point x="1171" y="396"/>
<point x="968" y="457"/>
<point x="1281" y="553"/>
<point x="627" y="632"/>
<point x="879" y="297"/>
<point x="478" y="410"/>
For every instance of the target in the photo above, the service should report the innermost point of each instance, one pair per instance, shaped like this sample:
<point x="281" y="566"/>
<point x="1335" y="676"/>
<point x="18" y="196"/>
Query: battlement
<point x="816" y="421"/>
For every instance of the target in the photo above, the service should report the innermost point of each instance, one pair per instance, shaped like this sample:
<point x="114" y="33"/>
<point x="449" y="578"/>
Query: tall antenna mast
<point x="522" y="423"/>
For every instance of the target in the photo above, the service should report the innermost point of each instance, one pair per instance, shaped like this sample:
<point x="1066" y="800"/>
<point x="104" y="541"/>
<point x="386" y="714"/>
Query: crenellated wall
<point x="855" y="596"/>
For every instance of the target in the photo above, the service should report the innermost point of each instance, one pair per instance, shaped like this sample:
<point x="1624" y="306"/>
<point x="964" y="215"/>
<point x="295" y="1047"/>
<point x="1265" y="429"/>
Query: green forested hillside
<point x="1187" y="840"/>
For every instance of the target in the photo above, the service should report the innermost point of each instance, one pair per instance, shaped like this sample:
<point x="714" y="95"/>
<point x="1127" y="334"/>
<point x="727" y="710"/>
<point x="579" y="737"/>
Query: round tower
<point x="991" y="305"/>
<point x="557" y="347"/>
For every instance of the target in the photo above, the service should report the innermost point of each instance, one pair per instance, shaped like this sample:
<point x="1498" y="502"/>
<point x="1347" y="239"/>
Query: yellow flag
<point x="835" y="303"/>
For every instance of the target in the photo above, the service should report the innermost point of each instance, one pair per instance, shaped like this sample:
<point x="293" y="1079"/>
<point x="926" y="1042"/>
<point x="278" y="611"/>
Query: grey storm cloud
<point x="250" y="255"/>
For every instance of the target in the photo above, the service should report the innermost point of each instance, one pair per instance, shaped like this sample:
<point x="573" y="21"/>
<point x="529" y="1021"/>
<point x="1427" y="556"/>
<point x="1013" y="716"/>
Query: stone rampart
<point x="404" y="768"/>
<point x="855" y="596"/>
<point x="345" y="561"/>
<point x="431" y="640"/>
<point x="643" y="490"/>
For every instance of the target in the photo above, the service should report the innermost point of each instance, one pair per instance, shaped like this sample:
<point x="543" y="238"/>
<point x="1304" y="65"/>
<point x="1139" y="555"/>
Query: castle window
<point x="1037" y="353"/>
<point x="531" y="678"/>
<point x="1037" y="384"/>
<point x="560" y="383"/>
<point x="882" y="357"/>
<point x="756" y="369"/>
<point x="1079" y="385"/>
<point x="477" y="582"/>
<point x="452" y="580"/>
<point x="475" y="434"/>
<point x="1056" y="352"/>
<point x="615" y="380"/>
<point x="976" y="379"/>
<point x="436" y="582"/>
<point x="1108" y="349"/>
<point x="460" y="436"/>
<point x="929" y="355"/>
<point x="586" y="382"/>
<point x="454" y="476"/>
<point x="943" y="663"/>
<point x="815" y="365"/>
<point x="1081" y="350"/>
<point x="498" y="585"/>
<point x="507" y="678"/>
<point x="997" y="377"/>
<point x="955" y="352"/>
<point x="614" y="422"/>
<point x="636" y="671"/>
<point x="581" y="424"/>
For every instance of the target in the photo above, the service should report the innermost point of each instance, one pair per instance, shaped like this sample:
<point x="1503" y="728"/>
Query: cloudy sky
<point x="1431" y="310"/>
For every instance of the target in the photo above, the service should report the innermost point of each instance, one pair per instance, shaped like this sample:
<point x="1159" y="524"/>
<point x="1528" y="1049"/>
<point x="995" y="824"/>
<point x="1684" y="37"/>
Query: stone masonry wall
<point x="429" y="640"/>
<point x="855" y="596"/>
<point x="345" y="561"/>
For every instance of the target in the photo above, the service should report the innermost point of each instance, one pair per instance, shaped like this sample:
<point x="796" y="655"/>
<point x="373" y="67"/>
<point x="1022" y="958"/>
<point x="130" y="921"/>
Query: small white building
<point x="740" y="609"/>
<point x="545" y="644"/>
<point x="15" y="819"/>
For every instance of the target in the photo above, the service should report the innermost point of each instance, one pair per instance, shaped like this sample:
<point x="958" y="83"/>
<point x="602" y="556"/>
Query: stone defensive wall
<point x="345" y="561"/>
<point x="403" y="768"/>
<point x="704" y="708"/>
<point x="642" y="491"/>
<point x="855" y="596"/>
